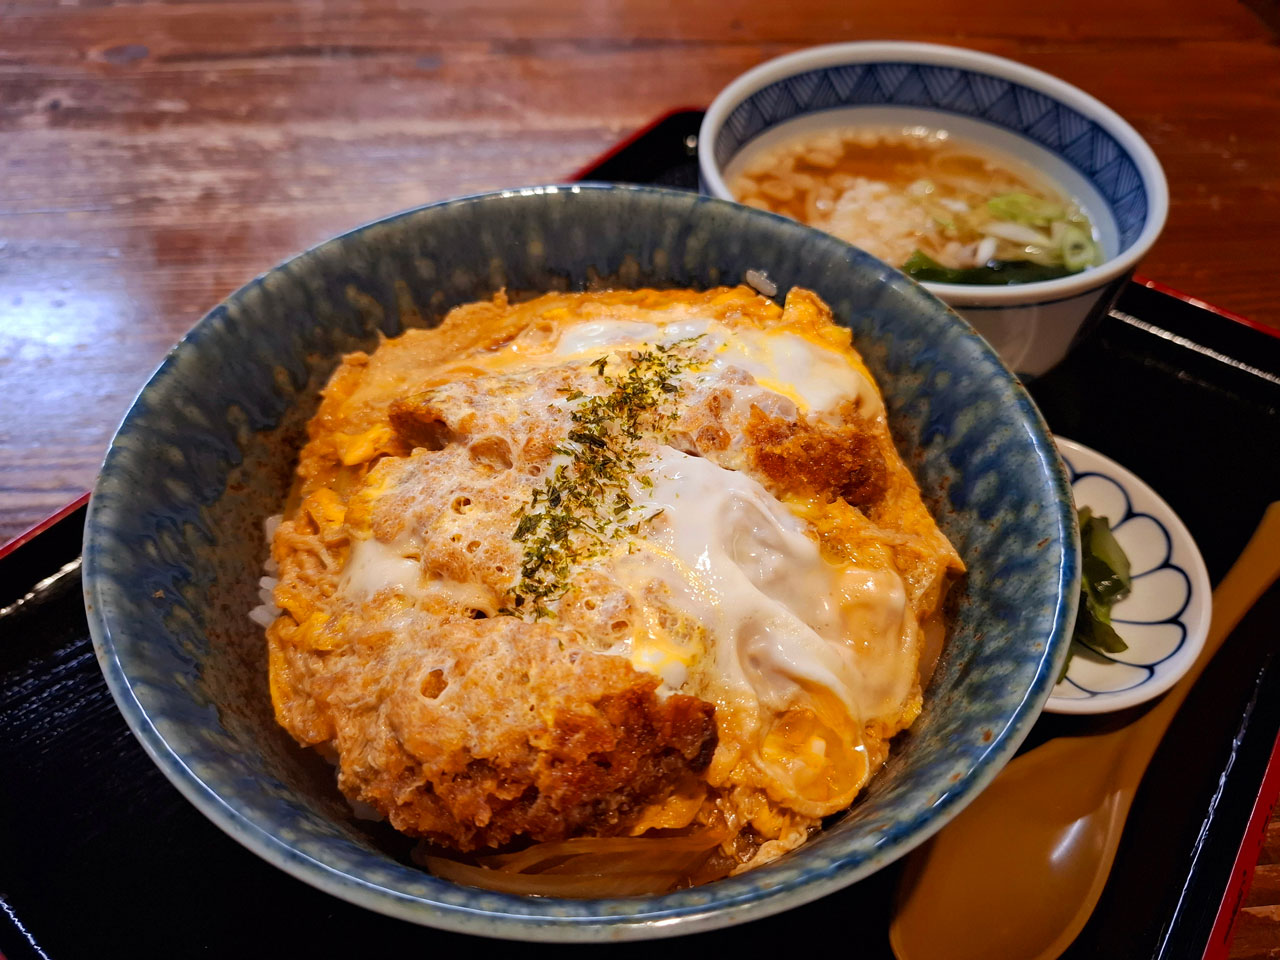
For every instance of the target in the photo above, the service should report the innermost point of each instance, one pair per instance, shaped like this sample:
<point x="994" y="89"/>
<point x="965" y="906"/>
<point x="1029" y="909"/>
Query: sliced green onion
<point x="1024" y="208"/>
<point x="1078" y="249"/>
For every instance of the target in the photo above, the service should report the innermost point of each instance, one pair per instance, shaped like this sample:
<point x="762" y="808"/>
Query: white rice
<point x="265" y="613"/>
<point x="759" y="281"/>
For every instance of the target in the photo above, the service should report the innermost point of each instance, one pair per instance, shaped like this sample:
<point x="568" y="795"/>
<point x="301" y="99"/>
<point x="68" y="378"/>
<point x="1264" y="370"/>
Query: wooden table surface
<point x="154" y="156"/>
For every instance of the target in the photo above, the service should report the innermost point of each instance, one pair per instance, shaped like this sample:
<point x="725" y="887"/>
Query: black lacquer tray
<point x="100" y="856"/>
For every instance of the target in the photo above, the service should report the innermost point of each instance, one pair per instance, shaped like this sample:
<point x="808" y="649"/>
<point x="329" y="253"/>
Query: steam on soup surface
<point x="943" y="209"/>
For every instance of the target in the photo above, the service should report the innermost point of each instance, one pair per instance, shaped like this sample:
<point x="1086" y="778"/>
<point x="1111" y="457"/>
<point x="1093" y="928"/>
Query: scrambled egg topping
<point x="599" y="564"/>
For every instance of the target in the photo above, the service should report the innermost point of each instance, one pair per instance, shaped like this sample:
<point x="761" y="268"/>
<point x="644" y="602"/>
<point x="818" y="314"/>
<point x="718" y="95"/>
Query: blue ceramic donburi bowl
<point x="174" y="544"/>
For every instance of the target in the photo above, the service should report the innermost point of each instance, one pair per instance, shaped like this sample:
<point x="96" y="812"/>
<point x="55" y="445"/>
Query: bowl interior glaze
<point x="174" y="545"/>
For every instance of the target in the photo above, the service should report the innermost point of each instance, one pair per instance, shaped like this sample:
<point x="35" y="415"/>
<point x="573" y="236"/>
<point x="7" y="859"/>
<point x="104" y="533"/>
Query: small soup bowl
<point x="1040" y="121"/>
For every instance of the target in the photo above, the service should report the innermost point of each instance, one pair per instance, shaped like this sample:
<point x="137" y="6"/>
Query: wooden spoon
<point x="1020" y="870"/>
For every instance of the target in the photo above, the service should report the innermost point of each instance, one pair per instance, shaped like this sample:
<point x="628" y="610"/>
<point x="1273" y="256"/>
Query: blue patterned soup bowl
<point x="174" y="544"/>
<point x="1036" y="120"/>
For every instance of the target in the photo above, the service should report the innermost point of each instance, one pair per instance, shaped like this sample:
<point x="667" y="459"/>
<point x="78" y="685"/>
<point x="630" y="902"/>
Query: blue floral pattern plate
<point x="1165" y="618"/>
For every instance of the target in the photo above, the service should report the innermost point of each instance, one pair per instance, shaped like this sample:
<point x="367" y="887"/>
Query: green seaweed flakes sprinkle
<point x="583" y="507"/>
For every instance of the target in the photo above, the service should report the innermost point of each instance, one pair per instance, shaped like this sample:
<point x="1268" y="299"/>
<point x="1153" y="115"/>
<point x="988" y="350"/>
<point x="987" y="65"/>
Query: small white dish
<point x="1166" y="617"/>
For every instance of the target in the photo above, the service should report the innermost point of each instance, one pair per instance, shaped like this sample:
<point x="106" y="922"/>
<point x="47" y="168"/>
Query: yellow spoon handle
<point x="1040" y="841"/>
<point x="1254" y="571"/>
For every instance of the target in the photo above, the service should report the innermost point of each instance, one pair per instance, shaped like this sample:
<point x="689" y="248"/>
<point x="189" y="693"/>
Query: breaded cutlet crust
<point x="475" y="729"/>
<point x="830" y="461"/>
<point x="488" y="730"/>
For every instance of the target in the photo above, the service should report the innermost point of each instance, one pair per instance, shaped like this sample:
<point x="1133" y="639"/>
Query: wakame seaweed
<point x="920" y="266"/>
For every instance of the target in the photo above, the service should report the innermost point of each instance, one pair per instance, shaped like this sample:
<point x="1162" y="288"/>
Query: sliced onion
<point x="588" y="866"/>
<point x="1015" y="233"/>
<point x="605" y="864"/>
<point x="616" y="846"/>
<point x="542" y="885"/>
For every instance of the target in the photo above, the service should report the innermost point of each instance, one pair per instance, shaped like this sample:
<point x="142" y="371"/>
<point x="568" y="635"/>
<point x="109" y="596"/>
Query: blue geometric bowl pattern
<point x="173" y="543"/>
<point x="1004" y="103"/>
<point x="1163" y="620"/>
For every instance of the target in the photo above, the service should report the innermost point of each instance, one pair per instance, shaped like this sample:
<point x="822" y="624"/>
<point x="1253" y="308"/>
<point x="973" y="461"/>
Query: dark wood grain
<point x="1256" y="932"/>
<point x="154" y="156"/>
<point x="1265" y="888"/>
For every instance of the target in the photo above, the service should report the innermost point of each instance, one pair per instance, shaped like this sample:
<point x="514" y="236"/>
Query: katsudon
<point x="605" y="593"/>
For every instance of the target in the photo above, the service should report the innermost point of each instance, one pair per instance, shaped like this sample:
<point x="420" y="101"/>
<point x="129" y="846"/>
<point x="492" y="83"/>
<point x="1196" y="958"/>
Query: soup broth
<point x="942" y="209"/>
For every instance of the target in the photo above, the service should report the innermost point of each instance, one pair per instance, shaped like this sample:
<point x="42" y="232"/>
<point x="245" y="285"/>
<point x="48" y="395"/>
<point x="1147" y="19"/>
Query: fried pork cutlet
<point x="599" y="565"/>
<point x="518" y="734"/>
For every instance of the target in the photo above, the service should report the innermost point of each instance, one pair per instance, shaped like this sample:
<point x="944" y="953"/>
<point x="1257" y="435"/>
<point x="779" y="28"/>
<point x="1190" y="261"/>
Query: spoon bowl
<point x="1072" y="817"/>
<point x="1040" y="841"/>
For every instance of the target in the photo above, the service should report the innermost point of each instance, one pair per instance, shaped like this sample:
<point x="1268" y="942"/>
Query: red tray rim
<point x="34" y="531"/>
<point x="1242" y="869"/>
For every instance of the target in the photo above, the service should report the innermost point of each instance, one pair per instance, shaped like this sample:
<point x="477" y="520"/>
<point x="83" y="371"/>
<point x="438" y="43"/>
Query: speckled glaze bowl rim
<point x="721" y="904"/>
<point x="943" y="55"/>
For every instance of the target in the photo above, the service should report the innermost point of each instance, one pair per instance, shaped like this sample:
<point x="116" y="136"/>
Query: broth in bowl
<point x="943" y="209"/>
<point x="1077" y="149"/>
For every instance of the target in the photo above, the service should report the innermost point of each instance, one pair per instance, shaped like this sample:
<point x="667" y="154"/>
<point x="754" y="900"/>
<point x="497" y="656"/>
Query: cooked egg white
<point x="796" y="618"/>
<point x="783" y="627"/>
<point x="809" y="373"/>
<point x="781" y="615"/>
